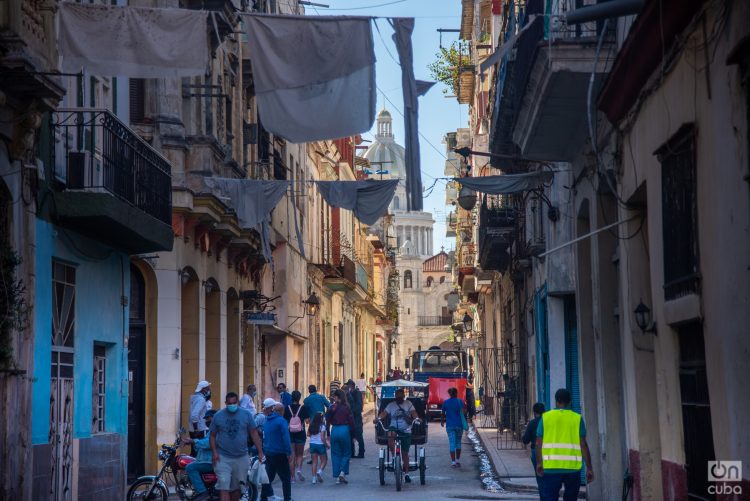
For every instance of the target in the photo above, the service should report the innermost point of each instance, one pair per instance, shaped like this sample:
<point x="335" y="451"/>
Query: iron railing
<point x="97" y="152"/>
<point x="434" y="321"/>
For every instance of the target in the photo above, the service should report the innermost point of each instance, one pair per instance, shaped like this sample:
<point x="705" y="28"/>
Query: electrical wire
<point x="365" y="7"/>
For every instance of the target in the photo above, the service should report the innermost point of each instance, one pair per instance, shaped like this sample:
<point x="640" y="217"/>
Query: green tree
<point x="446" y="66"/>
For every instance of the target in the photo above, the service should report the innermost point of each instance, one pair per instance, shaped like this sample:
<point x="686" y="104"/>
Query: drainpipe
<point x="606" y="10"/>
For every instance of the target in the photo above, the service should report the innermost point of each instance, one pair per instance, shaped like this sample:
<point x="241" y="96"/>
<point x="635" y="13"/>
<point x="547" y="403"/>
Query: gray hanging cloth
<point x="253" y="200"/>
<point x="314" y="76"/>
<point x="368" y="199"/>
<point x="403" y="28"/>
<point x="136" y="42"/>
<point x="506" y="184"/>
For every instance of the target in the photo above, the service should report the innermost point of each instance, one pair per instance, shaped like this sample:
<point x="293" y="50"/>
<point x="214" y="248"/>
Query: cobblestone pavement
<point x="443" y="482"/>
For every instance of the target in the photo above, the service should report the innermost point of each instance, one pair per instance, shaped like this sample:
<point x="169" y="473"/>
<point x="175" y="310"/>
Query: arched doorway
<point x="213" y="339"/>
<point x="136" y="375"/>
<point x="233" y="342"/>
<point x="189" y="344"/>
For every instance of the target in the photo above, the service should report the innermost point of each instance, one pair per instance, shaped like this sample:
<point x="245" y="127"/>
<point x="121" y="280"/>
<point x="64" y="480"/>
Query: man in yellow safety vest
<point x="561" y="450"/>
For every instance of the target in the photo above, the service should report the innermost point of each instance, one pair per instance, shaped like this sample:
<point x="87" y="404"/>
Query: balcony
<point x="345" y="279"/>
<point x="552" y="119"/>
<point x="112" y="185"/>
<point x="496" y="227"/>
<point x="27" y="39"/>
<point x="434" y="321"/>
<point x="226" y="17"/>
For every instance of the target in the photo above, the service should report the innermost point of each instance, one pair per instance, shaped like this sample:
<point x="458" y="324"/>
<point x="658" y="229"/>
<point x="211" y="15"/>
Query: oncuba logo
<point x="722" y="472"/>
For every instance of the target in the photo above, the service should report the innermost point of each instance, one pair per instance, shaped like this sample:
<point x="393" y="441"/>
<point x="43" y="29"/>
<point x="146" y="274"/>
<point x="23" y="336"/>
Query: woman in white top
<point x="318" y="446"/>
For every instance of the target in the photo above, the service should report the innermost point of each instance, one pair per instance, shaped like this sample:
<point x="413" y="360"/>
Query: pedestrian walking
<point x="402" y="414"/>
<point x="315" y="402"/>
<point x="248" y="399"/>
<point x="452" y="418"/>
<point x="362" y="386"/>
<point x="278" y="448"/>
<point x="202" y="463"/>
<point x="284" y="396"/>
<point x="356" y="404"/>
<point x="561" y="449"/>
<point x="318" y="447"/>
<point x="335" y="385"/>
<point x="471" y="407"/>
<point x="231" y="429"/>
<point x="529" y="437"/>
<point x="341" y="425"/>
<point x="267" y="408"/>
<point x="296" y="416"/>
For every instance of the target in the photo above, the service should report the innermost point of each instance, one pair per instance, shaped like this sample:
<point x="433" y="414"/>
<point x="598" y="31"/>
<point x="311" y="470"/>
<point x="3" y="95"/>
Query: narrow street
<point x="443" y="482"/>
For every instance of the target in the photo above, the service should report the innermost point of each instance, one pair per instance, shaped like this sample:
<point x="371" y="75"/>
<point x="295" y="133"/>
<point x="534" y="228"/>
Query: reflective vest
<point x="561" y="443"/>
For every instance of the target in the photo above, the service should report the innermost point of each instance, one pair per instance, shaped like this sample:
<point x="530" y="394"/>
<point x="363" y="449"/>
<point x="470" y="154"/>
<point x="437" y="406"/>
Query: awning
<point x="506" y="184"/>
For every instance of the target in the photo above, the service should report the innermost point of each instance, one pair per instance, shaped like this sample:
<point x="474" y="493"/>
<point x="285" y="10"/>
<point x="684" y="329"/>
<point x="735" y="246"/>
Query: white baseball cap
<point x="201" y="385"/>
<point x="269" y="402"/>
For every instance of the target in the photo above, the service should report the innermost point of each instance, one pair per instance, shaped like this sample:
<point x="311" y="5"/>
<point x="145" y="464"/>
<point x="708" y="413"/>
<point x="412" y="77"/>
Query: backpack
<point x="295" y="424"/>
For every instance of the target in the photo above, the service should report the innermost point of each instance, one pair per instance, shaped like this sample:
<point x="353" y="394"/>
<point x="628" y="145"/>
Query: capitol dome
<point x="384" y="153"/>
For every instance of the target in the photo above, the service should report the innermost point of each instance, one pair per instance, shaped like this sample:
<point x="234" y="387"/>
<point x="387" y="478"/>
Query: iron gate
<point x="501" y="379"/>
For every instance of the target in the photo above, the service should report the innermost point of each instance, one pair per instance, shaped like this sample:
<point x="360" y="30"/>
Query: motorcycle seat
<point x="209" y="477"/>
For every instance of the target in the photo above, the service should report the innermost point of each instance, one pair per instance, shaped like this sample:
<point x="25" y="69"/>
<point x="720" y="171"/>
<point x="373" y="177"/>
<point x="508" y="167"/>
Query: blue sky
<point x="437" y="114"/>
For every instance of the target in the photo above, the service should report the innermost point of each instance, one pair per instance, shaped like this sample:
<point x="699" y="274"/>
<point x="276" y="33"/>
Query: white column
<point x="429" y="240"/>
<point x="424" y="241"/>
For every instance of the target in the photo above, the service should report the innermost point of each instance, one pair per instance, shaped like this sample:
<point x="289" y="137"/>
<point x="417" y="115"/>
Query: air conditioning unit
<point x="78" y="164"/>
<point x="463" y="138"/>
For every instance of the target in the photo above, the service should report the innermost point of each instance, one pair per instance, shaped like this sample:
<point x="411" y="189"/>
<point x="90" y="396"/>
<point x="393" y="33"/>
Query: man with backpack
<point x="296" y="415"/>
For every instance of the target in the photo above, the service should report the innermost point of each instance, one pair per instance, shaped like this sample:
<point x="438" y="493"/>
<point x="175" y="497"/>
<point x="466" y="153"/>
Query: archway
<point x="233" y="342"/>
<point x="213" y="338"/>
<point x="189" y="344"/>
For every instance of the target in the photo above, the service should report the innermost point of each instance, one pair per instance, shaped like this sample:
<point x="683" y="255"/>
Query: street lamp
<point x="467" y="198"/>
<point x="312" y="305"/>
<point x="643" y="318"/>
<point x="468" y="322"/>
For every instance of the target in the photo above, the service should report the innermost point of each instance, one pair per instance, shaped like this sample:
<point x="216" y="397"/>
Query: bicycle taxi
<point x="416" y="393"/>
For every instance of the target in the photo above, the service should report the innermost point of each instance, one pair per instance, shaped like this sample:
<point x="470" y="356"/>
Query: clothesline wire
<point x="385" y="45"/>
<point x="371" y="6"/>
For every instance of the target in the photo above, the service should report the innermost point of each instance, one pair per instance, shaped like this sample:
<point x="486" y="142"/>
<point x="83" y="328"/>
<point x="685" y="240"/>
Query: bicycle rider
<point x="402" y="414"/>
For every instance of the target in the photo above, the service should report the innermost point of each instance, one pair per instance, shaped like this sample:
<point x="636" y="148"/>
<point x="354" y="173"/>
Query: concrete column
<point x="168" y="354"/>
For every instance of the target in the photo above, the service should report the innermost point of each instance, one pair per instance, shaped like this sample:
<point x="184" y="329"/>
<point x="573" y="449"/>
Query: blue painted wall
<point x="102" y="277"/>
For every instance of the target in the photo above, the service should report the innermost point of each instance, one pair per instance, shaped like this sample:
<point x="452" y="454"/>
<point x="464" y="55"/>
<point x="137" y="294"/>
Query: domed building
<point x="423" y="314"/>
<point x="388" y="157"/>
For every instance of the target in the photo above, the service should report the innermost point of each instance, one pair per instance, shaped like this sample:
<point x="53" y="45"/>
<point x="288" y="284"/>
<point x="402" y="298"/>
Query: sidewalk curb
<point x="506" y="484"/>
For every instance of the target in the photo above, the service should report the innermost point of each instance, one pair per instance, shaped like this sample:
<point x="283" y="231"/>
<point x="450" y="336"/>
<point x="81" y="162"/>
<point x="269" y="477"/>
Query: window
<point x="63" y="304"/>
<point x="407" y="279"/>
<point x="442" y="280"/>
<point x="99" y="389"/>
<point x="679" y="214"/>
<point x="429" y="281"/>
<point x="396" y="203"/>
<point x="137" y="100"/>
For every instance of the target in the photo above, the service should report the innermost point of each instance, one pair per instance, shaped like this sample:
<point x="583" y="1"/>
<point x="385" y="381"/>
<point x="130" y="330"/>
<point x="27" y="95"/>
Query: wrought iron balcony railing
<point x="94" y="151"/>
<point x="434" y="321"/>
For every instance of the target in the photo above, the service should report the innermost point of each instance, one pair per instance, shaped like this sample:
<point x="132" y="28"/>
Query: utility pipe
<point x="615" y="8"/>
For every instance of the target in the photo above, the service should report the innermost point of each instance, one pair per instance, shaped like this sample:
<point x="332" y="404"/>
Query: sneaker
<point x="314" y="480"/>
<point x="338" y="481"/>
<point x="458" y="464"/>
<point x="319" y="476"/>
<point x="300" y="476"/>
<point x="407" y="479"/>
<point x="343" y="479"/>
<point x="453" y="464"/>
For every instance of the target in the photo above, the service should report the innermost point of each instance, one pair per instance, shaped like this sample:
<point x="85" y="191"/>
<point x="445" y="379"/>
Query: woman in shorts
<point x="318" y="446"/>
<point x="298" y="414"/>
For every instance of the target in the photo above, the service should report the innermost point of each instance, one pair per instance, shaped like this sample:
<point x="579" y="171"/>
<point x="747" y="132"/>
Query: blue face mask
<point x="253" y="393"/>
<point x="232" y="407"/>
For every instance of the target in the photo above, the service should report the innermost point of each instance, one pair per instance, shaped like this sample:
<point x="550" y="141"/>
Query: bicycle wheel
<point x="397" y="471"/>
<point x="381" y="470"/>
<point x="422" y="469"/>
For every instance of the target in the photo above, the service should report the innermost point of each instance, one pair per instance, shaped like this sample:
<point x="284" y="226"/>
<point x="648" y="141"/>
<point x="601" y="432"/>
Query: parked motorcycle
<point x="172" y="472"/>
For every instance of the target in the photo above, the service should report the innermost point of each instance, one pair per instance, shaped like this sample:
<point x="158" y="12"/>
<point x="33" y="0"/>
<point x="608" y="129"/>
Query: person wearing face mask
<point x="278" y="447"/>
<point x="198" y="408"/>
<point x="248" y="399"/>
<point x="230" y="430"/>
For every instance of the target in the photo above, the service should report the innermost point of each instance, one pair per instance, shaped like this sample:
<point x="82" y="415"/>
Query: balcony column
<point x="422" y="241"/>
<point x="429" y="240"/>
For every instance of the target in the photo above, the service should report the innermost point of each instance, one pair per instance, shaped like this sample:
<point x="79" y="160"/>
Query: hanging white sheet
<point x="367" y="199"/>
<point x="403" y="28"/>
<point x="314" y="76"/>
<point x="507" y="183"/>
<point x="253" y="200"/>
<point x="136" y="42"/>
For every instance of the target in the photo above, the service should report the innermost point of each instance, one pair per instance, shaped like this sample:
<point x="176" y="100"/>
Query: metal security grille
<point x="99" y="385"/>
<point x="679" y="214"/>
<point x="501" y="378"/>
